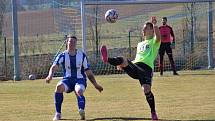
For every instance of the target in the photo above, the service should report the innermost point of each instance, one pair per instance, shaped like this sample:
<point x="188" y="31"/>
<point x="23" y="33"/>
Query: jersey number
<point x="144" y="47"/>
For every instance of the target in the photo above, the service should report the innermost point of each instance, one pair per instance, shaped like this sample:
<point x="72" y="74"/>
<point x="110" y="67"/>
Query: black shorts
<point x="165" y="47"/>
<point x="139" y="71"/>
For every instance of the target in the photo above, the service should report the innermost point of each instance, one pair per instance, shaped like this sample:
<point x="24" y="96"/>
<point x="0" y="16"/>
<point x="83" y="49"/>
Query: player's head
<point x="71" y="42"/>
<point x="164" y="20"/>
<point x="148" y="30"/>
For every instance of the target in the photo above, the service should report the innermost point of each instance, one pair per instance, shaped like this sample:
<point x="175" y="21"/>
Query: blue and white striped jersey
<point x="73" y="66"/>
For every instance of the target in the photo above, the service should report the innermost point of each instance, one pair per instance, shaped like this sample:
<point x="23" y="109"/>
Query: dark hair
<point x="73" y="37"/>
<point x="147" y="24"/>
<point x="165" y="18"/>
<point x="70" y="36"/>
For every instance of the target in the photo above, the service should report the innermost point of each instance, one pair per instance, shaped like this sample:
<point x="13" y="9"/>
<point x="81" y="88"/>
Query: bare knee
<point x="60" y="88"/>
<point x="125" y="62"/>
<point x="79" y="93"/>
<point x="79" y="89"/>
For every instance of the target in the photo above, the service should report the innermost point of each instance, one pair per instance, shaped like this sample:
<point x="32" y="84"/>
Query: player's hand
<point x="153" y="20"/>
<point x="99" y="88"/>
<point x="173" y="45"/>
<point x="48" y="79"/>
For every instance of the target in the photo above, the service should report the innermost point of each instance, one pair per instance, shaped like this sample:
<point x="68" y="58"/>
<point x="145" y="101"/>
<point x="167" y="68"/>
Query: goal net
<point x="188" y="20"/>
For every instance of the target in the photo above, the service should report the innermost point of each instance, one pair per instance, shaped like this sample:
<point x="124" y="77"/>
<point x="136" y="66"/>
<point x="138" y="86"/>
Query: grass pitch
<point x="190" y="96"/>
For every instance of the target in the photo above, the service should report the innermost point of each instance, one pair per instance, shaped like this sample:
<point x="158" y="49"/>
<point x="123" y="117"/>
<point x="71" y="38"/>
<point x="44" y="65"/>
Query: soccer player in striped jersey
<point x="167" y="44"/>
<point x="142" y="67"/>
<point x="75" y="68"/>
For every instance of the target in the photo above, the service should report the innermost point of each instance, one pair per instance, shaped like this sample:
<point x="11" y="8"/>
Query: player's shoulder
<point x="169" y="26"/>
<point x="155" y="40"/>
<point x="142" y="42"/>
<point x="162" y="26"/>
<point x="63" y="53"/>
<point x="165" y="26"/>
<point x="80" y="51"/>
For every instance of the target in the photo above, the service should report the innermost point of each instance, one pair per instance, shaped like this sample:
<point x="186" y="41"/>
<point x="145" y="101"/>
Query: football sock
<point x="150" y="100"/>
<point x="81" y="102"/>
<point x="115" y="61"/>
<point x="58" y="98"/>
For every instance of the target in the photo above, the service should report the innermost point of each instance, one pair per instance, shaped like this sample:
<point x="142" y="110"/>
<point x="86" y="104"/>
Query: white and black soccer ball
<point x="31" y="77"/>
<point x="111" y="16"/>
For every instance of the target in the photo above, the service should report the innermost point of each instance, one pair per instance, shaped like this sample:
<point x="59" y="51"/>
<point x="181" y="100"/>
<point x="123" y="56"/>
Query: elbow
<point x="53" y="68"/>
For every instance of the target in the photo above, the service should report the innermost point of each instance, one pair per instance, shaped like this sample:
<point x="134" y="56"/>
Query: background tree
<point x="3" y="9"/>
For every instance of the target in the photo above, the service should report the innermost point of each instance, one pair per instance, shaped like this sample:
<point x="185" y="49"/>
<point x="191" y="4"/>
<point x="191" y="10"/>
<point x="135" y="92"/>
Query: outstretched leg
<point x="115" y="61"/>
<point x="120" y="62"/>
<point x="104" y="54"/>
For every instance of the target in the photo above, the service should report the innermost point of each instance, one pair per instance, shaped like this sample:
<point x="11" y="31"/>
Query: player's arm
<point x="58" y="60"/>
<point x="90" y="74"/>
<point x="157" y="33"/>
<point x="52" y="70"/>
<point x="92" y="79"/>
<point x="156" y="29"/>
<point x="172" y="34"/>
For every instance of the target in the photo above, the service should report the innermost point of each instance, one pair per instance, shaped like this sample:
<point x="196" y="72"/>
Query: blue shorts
<point x="71" y="82"/>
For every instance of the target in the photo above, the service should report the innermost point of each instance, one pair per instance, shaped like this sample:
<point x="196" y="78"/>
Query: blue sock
<point x="81" y="102"/>
<point x="58" y="99"/>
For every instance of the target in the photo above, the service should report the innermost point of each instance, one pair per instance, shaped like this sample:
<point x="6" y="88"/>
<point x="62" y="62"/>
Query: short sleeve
<point x="59" y="59"/>
<point x="86" y="65"/>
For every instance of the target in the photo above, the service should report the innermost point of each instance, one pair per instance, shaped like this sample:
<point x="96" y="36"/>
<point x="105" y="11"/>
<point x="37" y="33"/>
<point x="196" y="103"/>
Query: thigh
<point x="145" y="74"/>
<point x="82" y="82"/>
<point x="80" y="86"/>
<point x="168" y="48"/>
<point x="131" y="70"/>
<point x="162" y="49"/>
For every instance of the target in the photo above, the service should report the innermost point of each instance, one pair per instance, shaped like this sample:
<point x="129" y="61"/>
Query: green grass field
<point x="190" y="96"/>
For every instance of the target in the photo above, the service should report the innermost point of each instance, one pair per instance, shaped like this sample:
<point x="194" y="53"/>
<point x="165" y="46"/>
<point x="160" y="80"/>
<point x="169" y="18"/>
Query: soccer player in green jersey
<point x="142" y="67"/>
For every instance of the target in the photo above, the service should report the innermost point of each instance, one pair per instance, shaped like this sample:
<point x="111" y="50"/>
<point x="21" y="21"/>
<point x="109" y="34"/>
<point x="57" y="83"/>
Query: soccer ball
<point x="111" y="16"/>
<point x="31" y="77"/>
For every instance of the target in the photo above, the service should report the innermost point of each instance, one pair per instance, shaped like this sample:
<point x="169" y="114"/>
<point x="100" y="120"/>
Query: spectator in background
<point x="167" y="44"/>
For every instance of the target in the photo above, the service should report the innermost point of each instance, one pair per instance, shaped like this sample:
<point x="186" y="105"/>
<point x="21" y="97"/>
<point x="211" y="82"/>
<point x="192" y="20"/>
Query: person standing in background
<point x="167" y="44"/>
